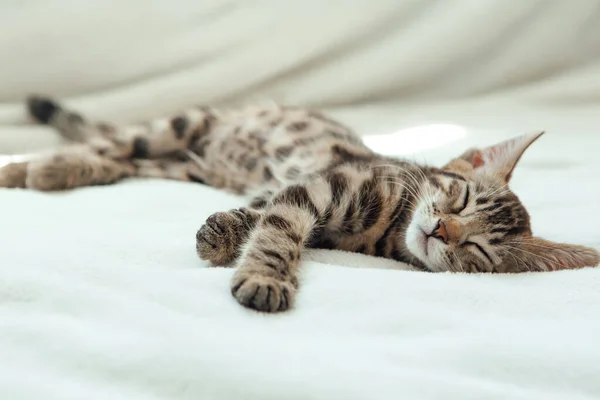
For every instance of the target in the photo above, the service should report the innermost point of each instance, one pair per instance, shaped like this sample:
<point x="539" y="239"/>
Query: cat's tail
<point x="70" y="124"/>
<point x="157" y="138"/>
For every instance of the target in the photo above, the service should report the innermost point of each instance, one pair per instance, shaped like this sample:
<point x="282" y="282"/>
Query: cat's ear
<point x="464" y="164"/>
<point x="543" y="255"/>
<point x="500" y="159"/>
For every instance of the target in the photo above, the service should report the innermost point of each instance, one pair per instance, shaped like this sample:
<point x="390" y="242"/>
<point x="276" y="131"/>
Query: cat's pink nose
<point x="440" y="232"/>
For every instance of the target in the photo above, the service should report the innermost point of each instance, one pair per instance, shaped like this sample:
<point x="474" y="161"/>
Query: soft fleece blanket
<point x="103" y="297"/>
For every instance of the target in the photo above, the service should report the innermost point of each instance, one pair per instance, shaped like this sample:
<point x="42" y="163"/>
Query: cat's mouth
<point x="423" y="241"/>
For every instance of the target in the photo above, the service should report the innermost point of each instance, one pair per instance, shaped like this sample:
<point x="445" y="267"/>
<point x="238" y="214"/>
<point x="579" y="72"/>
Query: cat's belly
<point x="243" y="159"/>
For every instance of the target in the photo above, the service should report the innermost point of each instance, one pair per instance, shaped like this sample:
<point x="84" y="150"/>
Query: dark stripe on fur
<point x="277" y="222"/>
<point x="274" y="255"/>
<point x="298" y="196"/>
<point x="395" y="219"/>
<point x="339" y="185"/>
<point x="297" y="126"/>
<point x="141" y="148"/>
<point x="369" y="203"/>
<point x="322" y="243"/>
<point x="179" y="124"/>
<point x="283" y="152"/>
<point x="349" y="217"/>
<point x="267" y="174"/>
<point x="196" y="179"/>
<point x="294" y="237"/>
<point x="258" y="203"/>
<point x="450" y="175"/>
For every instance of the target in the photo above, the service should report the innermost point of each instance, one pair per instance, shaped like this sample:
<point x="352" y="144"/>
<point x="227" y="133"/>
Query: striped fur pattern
<point x="319" y="187"/>
<point x="236" y="150"/>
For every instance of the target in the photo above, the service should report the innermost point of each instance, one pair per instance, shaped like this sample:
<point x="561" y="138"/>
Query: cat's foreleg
<point x="222" y="236"/>
<point x="267" y="274"/>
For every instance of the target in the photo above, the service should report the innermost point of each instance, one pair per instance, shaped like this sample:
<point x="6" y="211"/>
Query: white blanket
<point x="102" y="297"/>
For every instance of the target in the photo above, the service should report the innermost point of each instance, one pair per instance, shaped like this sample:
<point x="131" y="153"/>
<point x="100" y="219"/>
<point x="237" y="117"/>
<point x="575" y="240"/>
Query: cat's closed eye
<point x="464" y="202"/>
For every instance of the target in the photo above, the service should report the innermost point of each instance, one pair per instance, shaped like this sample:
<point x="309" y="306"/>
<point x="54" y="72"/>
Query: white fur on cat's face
<point x="467" y="220"/>
<point x="463" y="225"/>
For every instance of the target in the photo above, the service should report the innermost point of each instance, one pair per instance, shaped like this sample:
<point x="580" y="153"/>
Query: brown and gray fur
<point x="320" y="187"/>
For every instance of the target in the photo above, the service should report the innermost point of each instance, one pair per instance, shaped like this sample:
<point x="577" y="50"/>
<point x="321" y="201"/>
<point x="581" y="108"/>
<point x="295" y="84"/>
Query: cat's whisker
<point x="408" y="175"/>
<point x="416" y="194"/>
<point x="497" y="191"/>
<point x="405" y="171"/>
<point x="517" y="259"/>
<point x="462" y="268"/>
<point x="401" y="183"/>
<point x="529" y="242"/>
<point x="550" y="261"/>
<point x="426" y="189"/>
<point x="411" y="206"/>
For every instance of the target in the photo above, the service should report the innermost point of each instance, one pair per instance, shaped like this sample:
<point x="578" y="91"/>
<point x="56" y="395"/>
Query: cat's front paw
<point x="219" y="239"/>
<point x="262" y="293"/>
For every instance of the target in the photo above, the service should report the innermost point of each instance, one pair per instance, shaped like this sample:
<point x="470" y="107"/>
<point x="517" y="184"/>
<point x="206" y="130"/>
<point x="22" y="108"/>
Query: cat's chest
<point x="365" y="242"/>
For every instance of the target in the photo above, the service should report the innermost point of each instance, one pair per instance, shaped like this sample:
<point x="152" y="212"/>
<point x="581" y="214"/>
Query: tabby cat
<point x="320" y="187"/>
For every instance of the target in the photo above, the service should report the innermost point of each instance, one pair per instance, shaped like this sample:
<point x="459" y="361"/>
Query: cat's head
<point x="467" y="219"/>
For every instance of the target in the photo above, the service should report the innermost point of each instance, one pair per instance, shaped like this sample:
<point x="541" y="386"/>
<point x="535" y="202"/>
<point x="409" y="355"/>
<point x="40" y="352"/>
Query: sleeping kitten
<point x="321" y="188"/>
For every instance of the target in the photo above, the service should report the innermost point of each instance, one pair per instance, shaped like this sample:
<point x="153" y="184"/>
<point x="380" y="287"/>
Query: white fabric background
<point x="143" y="58"/>
<point x="102" y="295"/>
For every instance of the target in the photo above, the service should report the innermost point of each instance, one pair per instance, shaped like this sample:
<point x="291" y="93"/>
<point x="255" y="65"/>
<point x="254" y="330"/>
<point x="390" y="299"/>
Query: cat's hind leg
<point x="68" y="168"/>
<point x="13" y="175"/>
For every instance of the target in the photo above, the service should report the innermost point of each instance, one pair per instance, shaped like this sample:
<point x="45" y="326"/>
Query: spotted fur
<point x="319" y="187"/>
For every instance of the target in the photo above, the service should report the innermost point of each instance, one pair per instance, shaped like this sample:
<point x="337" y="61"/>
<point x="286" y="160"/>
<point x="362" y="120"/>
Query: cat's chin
<point x="420" y="245"/>
<point x="418" y="242"/>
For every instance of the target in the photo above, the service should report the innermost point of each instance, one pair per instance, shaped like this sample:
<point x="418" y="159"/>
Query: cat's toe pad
<point x="216" y="239"/>
<point x="262" y="293"/>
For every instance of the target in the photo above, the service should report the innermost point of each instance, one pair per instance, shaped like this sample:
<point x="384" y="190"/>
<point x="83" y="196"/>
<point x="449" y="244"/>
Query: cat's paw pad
<point x="217" y="240"/>
<point x="262" y="293"/>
